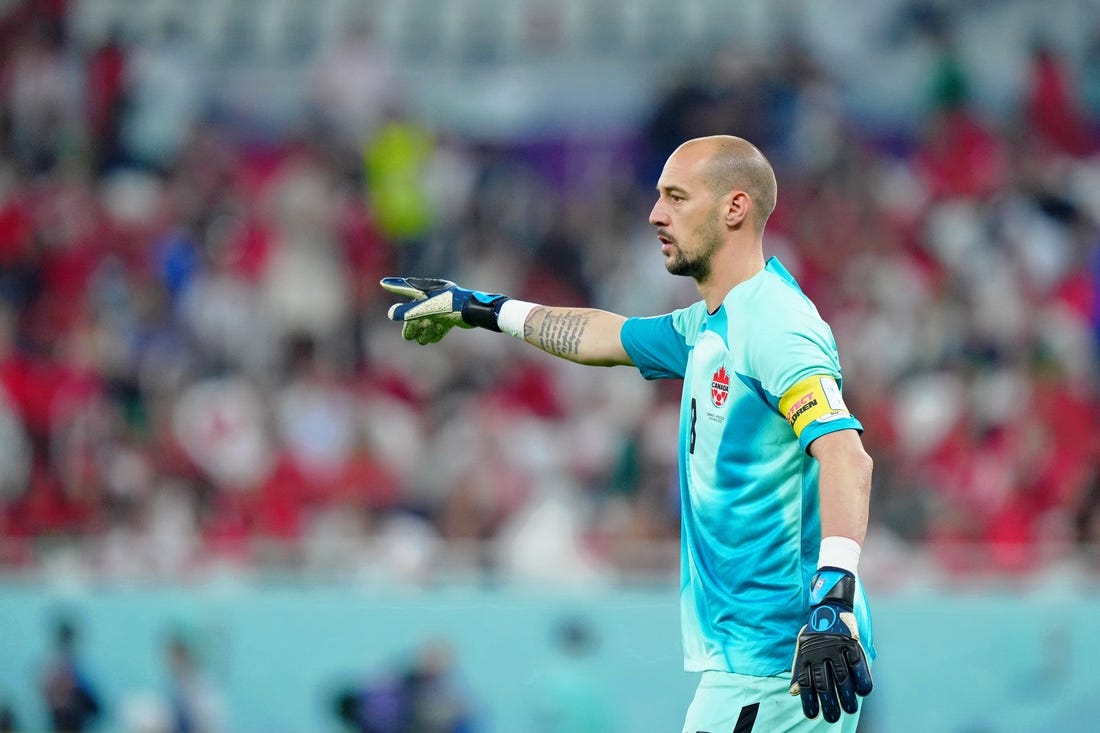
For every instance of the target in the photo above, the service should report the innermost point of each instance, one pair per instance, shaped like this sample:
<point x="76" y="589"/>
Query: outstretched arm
<point x="581" y="335"/>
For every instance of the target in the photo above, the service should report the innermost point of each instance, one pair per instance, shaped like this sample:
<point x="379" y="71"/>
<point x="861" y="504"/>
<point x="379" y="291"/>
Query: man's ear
<point x="738" y="208"/>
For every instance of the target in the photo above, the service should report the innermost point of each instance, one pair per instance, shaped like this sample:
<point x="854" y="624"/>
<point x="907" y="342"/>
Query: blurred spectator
<point x="1053" y="105"/>
<point x="189" y="702"/>
<point x="221" y="425"/>
<point x="958" y="155"/>
<point x="165" y="87"/>
<point x="426" y="697"/>
<point x="571" y="696"/>
<point x="9" y="721"/>
<point x="397" y="160"/>
<point x="69" y="694"/>
<point x="437" y="698"/>
<point x="304" y="280"/>
<point x="1090" y="77"/>
<point x="196" y="703"/>
<point x="15" y="446"/>
<point x="35" y="90"/>
<point x="353" y="84"/>
<point x="106" y="101"/>
<point x="316" y="414"/>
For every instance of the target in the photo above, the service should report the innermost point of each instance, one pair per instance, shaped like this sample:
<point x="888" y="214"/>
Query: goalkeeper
<point x="774" y="480"/>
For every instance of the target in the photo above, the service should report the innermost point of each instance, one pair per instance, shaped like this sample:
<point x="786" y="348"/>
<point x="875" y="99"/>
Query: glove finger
<point x="428" y="284"/>
<point x="796" y="664"/>
<point x="437" y="305"/>
<point x="421" y="332"/>
<point x="846" y="693"/>
<point x="860" y="673"/>
<point x="401" y="286"/>
<point x="427" y="330"/>
<point x="830" y="706"/>
<point x="809" y="701"/>
<point x="406" y="311"/>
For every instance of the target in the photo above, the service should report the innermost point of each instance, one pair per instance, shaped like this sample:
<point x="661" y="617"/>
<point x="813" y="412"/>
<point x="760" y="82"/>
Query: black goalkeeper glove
<point x="830" y="667"/>
<point x="437" y="306"/>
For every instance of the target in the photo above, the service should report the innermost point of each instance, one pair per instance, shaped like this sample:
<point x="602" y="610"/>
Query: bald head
<point x="733" y="163"/>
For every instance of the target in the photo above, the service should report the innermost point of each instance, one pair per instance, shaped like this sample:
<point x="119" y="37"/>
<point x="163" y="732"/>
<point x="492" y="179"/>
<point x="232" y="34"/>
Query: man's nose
<point x="657" y="215"/>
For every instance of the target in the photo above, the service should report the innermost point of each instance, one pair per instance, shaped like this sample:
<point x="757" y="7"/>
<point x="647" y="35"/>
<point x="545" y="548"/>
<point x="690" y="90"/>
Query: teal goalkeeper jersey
<point x="761" y="382"/>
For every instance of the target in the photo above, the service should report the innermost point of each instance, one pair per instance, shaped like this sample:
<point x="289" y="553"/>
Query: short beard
<point x="698" y="267"/>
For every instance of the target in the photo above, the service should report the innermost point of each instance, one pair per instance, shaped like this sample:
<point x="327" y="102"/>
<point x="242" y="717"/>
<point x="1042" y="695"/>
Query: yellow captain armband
<point x="812" y="399"/>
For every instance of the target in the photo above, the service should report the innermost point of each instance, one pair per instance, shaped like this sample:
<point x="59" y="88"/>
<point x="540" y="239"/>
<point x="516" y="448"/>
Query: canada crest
<point x="720" y="387"/>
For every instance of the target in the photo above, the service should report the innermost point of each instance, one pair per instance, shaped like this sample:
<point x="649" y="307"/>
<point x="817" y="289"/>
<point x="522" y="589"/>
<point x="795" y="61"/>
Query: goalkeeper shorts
<point x="738" y="703"/>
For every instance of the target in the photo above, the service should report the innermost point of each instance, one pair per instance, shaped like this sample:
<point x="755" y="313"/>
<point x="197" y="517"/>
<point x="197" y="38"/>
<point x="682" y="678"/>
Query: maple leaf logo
<point x="720" y="387"/>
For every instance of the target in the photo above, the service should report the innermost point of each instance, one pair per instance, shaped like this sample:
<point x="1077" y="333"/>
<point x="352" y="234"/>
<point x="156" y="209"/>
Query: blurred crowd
<point x="197" y="374"/>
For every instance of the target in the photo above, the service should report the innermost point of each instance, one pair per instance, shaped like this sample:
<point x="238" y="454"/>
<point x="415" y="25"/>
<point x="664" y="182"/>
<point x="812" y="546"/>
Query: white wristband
<point x="839" y="552"/>
<point x="513" y="315"/>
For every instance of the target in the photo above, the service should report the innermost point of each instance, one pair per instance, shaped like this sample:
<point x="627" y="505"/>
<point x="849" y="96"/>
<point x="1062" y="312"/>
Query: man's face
<point x="687" y="215"/>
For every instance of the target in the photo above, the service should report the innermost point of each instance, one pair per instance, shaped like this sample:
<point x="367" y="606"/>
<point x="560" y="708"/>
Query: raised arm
<point x="581" y="335"/>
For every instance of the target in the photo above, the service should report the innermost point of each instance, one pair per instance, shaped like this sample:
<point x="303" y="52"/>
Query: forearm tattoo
<point x="558" y="333"/>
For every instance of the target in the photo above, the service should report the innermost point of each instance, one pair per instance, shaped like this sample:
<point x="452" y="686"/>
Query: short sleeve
<point x="796" y="361"/>
<point x="814" y="406"/>
<point x="659" y="345"/>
